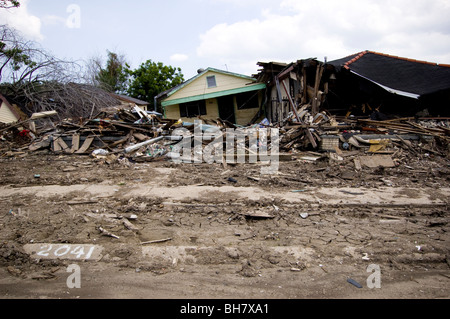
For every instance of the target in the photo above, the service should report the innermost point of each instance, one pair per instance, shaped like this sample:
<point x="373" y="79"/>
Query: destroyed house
<point x="293" y="88"/>
<point x="364" y="84"/>
<point x="370" y="81"/>
<point x="214" y="94"/>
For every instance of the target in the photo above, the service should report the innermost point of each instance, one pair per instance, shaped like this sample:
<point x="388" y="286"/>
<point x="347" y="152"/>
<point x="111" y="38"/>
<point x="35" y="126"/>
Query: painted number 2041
<point x="68" y="251"/>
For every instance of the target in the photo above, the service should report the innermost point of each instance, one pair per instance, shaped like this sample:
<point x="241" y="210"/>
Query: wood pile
<point x="135" y="133"/>
<point x="112" y="129"/>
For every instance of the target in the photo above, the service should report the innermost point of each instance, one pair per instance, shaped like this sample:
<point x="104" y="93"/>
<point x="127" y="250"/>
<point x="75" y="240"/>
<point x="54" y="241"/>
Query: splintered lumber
<point x="41" y="115"/>
<point x="87" y="143"/>
<point x="125" y="139"/>
<point x="59" y="145"/>
<point x="41" y="144"/>
<point x="293" y="106"/>
<point x="408" y="127"/>
<point x="130" y="127"/>
<point x="75" y="143"/>
<point x="311" y="138"/>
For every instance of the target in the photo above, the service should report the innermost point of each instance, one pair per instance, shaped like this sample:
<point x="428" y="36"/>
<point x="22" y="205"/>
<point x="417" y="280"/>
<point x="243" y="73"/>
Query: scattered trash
<point x="107" y="233"/>
<point x="155" y="241"/>
<point x="354" y="283"/>
<point x="304" y="215"/>
<point x="100" y="152"/>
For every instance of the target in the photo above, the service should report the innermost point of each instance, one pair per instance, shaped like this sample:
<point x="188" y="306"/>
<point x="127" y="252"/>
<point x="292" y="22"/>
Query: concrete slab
<point x="74" y="252"/>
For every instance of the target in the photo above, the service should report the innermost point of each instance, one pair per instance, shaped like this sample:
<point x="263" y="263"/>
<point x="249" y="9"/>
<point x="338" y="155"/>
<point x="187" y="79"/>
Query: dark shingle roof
<point x="402" y="74"/>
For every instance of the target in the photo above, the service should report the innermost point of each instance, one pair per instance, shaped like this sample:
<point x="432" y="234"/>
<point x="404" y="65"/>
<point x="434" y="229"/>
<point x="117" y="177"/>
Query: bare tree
<point x="38" y="81"/>
<point x="24" y="61"/>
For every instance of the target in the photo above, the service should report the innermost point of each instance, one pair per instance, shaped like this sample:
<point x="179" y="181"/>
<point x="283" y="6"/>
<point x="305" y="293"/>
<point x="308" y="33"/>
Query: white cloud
<point x="53" y="20"/>
<point x="178" y="57"/>
<point x="21" y="20"/>
<point x="302" y="29"/>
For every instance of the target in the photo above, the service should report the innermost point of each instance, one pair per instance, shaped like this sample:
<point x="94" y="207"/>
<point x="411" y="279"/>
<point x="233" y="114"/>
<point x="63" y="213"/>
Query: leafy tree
<point x="113" y="77"/>
<point x="6" y="4"/>
<point x="152" y="78"/>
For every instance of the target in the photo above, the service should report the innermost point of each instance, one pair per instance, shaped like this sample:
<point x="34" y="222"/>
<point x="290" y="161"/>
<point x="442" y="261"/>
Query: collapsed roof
<point x="403" y="76"/>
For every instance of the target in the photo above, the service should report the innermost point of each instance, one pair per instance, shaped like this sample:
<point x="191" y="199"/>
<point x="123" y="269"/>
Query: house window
<point x="247" y="100"/>
<point x="193" y="109"/>
<point x="211" y="80"/>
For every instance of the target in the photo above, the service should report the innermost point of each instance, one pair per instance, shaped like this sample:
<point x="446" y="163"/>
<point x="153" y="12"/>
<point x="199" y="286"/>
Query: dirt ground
<point x="189" y="231"/>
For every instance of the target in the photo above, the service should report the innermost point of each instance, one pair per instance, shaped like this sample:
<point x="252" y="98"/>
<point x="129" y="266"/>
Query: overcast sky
<point x="234" y="35"/>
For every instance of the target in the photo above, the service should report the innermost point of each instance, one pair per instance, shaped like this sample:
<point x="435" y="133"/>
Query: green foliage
<point x="152" y="78"/>
<point x="15" y="57"/>
<point x="113" y="77"/>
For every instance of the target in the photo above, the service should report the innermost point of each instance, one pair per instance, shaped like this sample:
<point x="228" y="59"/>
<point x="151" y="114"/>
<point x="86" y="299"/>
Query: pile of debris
<point x="326" y="133"/>
<point x="145" y="136"/>
<point x="111" y="130"/>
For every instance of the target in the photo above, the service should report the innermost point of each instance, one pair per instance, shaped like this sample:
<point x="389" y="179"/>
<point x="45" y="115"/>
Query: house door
<point x="226" y="108"/>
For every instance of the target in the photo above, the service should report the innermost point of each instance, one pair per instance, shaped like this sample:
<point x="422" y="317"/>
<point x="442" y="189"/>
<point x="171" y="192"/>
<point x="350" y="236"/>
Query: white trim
<point x="390" y="90"/>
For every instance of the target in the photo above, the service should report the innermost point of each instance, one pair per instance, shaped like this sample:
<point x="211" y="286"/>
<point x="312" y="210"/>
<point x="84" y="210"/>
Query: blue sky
<point x="235" y="34"/>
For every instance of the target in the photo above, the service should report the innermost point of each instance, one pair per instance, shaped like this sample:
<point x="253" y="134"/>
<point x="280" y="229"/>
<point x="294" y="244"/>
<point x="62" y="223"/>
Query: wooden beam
<point x="75" y="143"/>
<point x="294" y="108"/>
<point x="87" y="143"/>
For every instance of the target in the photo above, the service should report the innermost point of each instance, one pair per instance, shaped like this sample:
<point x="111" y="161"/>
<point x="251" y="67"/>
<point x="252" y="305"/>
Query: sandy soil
<point x="187" y="231"/>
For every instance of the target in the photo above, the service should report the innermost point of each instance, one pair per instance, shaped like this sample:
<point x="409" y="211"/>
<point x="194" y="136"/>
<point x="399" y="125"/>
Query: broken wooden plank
<point x="56" y="146"/>
<point x="64" y="146"/>
<point x="311" y="138"/>
<point x="75" y="143"/>
<point x="41" y="144"/>
<point x="140" y="137"/>
<point x="87" y="143"/>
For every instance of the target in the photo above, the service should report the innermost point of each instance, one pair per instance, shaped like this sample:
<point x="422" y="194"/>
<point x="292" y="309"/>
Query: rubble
<point x="134" y="134"/>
